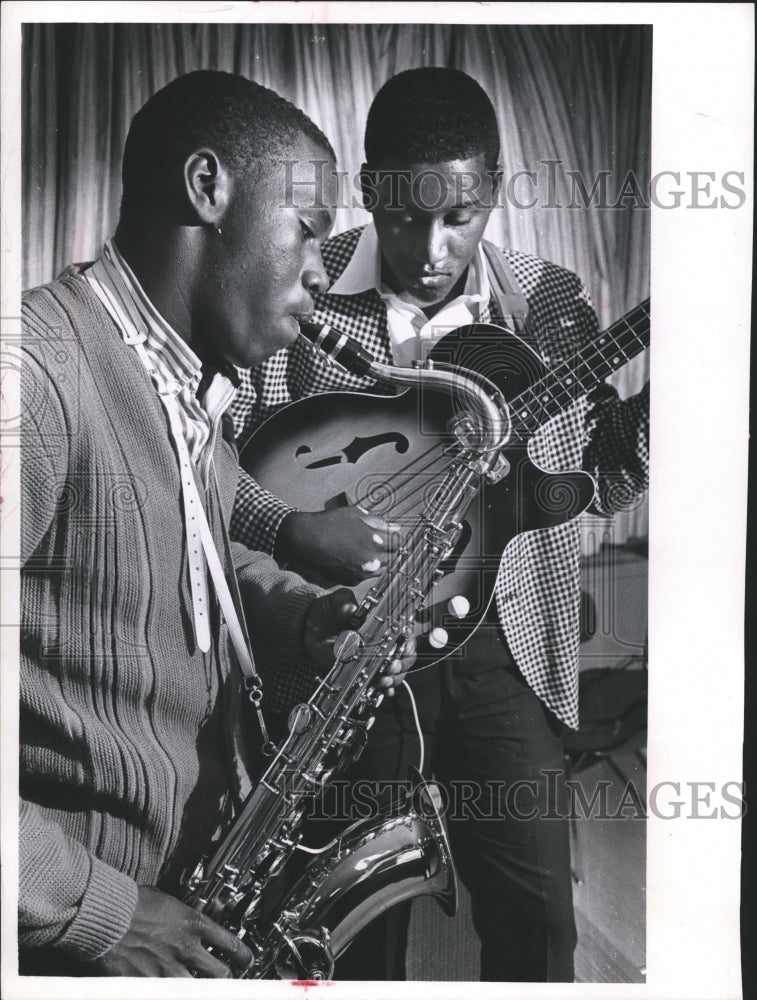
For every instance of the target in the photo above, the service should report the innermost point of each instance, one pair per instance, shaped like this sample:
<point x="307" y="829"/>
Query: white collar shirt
<point x="411" y="333"/>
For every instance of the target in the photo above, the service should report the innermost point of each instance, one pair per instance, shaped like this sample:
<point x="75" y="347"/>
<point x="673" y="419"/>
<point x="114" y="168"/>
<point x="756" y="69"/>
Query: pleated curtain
<point x="570" y="99"/>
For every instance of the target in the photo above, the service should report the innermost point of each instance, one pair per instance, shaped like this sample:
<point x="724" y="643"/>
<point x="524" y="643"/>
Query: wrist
<point x="104" y="914"/>
<point x="287" y="544"/>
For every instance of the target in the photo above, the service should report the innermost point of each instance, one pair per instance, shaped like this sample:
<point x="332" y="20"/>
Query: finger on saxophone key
<point x="394" y="675"/>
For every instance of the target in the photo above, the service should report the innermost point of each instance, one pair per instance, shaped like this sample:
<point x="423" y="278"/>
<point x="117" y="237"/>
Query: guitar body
<point x="385" y="453"/>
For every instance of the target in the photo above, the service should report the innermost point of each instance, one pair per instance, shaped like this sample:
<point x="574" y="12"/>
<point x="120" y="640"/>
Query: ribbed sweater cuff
<point x="104" y="915"/>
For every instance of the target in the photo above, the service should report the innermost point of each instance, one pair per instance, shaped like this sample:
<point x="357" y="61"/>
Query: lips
<point x="428" y="280"/>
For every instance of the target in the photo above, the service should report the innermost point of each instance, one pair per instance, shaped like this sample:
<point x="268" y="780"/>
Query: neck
<point x="161" y="264"/>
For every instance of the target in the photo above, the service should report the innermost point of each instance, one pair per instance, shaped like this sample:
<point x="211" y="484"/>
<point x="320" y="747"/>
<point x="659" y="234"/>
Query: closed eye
<point x="458" y="220"/>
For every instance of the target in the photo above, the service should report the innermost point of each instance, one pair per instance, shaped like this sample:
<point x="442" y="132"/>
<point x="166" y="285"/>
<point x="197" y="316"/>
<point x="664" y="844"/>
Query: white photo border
<point x="703" y="86"/>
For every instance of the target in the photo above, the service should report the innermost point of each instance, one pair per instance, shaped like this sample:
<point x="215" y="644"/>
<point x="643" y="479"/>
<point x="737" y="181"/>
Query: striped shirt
<point x="170" y="361"/>
<point x="194" y="417"/>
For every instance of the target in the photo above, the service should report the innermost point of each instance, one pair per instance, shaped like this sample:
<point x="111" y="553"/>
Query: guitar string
<point x="534" y="405"/>
<point x="586" y="360"/>
<point x="531" y="404"/>
<point x="597" y="349"/>
<point x="537" y="409"/>
<point x="365" y="500"/>
<point x="404" y="498"/>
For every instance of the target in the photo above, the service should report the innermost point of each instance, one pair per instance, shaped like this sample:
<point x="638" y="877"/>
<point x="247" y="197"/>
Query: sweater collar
<point x="175" y="363"/>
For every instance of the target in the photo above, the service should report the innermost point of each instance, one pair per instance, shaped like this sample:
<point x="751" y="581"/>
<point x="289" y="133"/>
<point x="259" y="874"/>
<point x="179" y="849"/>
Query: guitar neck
<point x="574" y="378"/>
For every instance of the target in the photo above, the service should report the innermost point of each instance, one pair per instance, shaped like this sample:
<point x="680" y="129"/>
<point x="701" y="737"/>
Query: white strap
<point x="196" y="522"/>
<point x="236" y="633"/>
<point x="193" y="511"/>
<point x="197" y="525"/>
<point x="196" y="528"/>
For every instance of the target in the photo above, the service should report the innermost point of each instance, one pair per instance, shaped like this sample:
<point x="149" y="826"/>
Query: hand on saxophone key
<point x="168" y="938"/>
<point x="328" y="617"/>
<point x="394" y="674"/>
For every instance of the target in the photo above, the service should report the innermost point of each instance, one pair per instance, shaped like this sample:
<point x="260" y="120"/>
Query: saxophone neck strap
<point x="230" y="599"/>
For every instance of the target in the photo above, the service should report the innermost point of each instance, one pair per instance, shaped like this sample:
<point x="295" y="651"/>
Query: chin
<point x="427" y="296"/>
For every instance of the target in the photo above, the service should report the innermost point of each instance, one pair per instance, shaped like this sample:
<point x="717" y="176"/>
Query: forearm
<point x="275" y="604"/>
<point x="68" y="898"/>
<point x="257" y="515"/>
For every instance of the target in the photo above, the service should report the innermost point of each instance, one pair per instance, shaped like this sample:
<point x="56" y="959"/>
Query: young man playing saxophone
<point x="128" y="477"/>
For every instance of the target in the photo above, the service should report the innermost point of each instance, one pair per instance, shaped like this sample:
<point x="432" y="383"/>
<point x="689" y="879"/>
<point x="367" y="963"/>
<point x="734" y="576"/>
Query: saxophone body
<point x="379" y="862"/>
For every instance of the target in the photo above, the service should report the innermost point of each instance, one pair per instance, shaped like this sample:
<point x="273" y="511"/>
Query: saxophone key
<point x="299" y="719"/>
<point x="325" y="686"/>
<point x="347" y="645"/>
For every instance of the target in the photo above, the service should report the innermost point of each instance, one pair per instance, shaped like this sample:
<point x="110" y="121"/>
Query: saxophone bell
<point x="305" y="955"/>
<point x="376" y="863"/>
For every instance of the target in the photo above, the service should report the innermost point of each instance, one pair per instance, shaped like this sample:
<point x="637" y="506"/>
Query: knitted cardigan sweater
<point x="124" y="766"/>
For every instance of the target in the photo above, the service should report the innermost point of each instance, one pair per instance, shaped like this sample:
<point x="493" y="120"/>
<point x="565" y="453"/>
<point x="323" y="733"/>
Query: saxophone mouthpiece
<point x="346" y="351"/>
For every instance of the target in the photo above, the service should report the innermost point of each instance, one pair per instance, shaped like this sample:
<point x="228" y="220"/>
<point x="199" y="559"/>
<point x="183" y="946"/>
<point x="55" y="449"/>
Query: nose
<point x="314" y="276"/>
<point x="431" y="247"/>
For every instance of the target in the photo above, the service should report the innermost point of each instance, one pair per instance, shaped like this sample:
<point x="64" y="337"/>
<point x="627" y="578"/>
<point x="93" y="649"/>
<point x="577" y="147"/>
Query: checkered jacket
<point x="538" y="588"/>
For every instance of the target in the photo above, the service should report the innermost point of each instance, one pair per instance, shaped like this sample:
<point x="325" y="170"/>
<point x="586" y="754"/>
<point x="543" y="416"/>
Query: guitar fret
<point x="575" y="377"/>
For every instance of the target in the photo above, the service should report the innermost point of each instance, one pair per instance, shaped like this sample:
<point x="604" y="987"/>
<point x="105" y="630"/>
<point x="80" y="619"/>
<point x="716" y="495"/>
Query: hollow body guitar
<point x="386" y="453"/>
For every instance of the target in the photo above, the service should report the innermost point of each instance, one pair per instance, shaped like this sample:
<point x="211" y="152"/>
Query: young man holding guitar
<point x="491" y="712"/>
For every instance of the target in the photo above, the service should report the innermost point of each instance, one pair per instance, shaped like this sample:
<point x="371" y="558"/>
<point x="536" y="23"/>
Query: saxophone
<point x="378" y="862"/>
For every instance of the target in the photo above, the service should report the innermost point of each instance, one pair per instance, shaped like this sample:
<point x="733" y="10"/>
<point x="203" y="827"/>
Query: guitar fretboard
<point x="573" y="378"/>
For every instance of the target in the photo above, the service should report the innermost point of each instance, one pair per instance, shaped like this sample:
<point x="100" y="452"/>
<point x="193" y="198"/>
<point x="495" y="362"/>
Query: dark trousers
<point x="497" y="751"/>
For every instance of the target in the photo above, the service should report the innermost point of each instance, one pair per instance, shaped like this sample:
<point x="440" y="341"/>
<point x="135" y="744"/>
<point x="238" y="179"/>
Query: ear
<point x="368" y="188"/>
<point x="208" y="186"/>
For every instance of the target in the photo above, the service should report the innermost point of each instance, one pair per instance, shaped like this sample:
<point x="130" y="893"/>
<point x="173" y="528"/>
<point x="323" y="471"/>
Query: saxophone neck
<point x="487" y="426"/>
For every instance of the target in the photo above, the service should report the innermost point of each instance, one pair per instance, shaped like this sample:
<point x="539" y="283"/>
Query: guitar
<point x="385" y="453"/>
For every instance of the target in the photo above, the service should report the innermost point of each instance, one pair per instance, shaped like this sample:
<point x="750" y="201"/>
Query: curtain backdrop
<point x="571" y="100"/>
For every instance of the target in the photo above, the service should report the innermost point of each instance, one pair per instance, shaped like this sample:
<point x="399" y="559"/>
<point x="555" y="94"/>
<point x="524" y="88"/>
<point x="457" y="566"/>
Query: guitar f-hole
<point x="351" y="453"/>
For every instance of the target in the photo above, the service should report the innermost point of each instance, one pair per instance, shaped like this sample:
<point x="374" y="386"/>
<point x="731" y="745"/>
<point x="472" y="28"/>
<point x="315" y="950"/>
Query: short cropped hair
<point x="431" y="115"/>
<point x="242" y="121"/>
